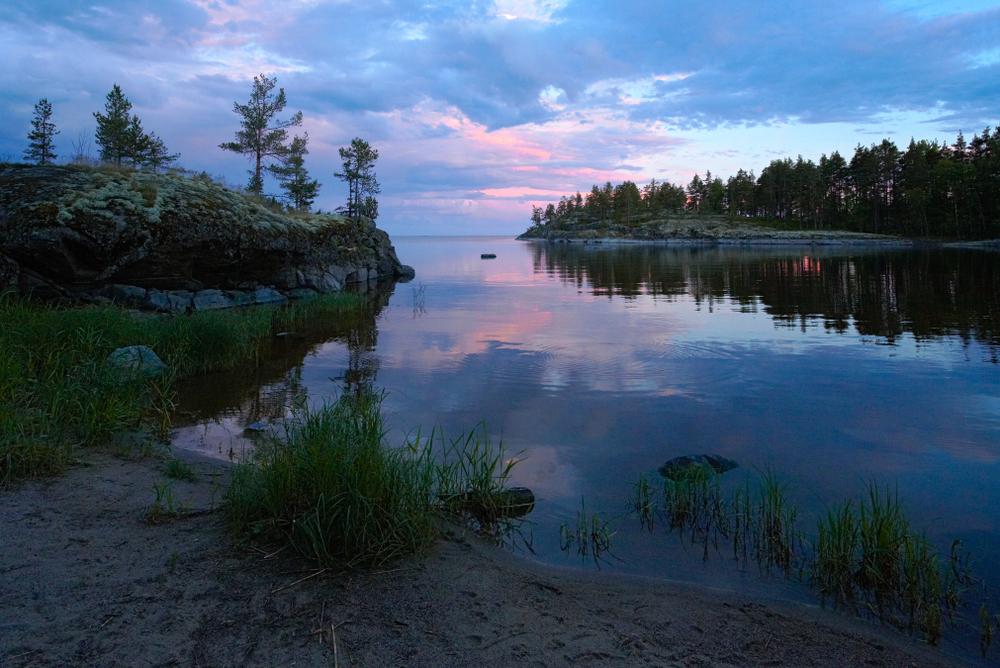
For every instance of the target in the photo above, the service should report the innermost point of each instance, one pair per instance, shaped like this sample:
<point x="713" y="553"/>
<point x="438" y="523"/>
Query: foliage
<point x="293" y="178"/>
<point x="928" y="189"/>
<point x="866" y="555"/>
<point x="261" y="136"/>
<point x="121" y="138"/>
<point x="43" y="131"/>
<point x="334" y="490"/>
<point x="57" y="392"/>
<point x="359" y="174"/>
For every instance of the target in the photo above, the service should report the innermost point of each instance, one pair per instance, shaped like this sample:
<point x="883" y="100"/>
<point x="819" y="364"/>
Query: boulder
<point x="137" y="359"/>
<point x="211" y="300"/>
<point x="680" y="466"/>
<point x="129" y="295"/>
<point x="268" y="296"/>
<point x="175" y="301"/>
<point x="509" y="503"/>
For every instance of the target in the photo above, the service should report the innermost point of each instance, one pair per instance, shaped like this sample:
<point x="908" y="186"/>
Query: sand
<point x="85" y="580"/>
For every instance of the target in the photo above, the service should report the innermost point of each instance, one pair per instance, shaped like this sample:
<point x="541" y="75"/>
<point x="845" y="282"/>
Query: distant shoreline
<point x="828" y="240"/>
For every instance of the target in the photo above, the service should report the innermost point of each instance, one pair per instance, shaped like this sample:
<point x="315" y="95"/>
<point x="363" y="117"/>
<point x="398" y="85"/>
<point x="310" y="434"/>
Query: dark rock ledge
<point x="173" y="243"/>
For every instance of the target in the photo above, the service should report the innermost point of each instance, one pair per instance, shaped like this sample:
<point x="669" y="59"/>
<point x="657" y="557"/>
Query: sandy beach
<point x="86" y="580"/>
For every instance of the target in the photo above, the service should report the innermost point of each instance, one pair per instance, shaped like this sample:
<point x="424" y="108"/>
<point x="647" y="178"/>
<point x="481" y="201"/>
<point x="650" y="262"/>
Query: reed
<point x="58" y="394"/>
<point x="333" y="489"/>
<point x="837" y="546"/>
<point x="590" y="536"/>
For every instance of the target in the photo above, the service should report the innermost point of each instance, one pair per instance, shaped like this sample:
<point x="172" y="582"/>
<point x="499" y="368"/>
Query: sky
<point x="482" y="108"/>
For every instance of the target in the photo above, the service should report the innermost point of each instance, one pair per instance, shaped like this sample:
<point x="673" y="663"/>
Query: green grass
<point x="58" y="394"/>
<point x="866" y="555"/>
<point x="333" y="489"/>
<point x="590" y="536"/>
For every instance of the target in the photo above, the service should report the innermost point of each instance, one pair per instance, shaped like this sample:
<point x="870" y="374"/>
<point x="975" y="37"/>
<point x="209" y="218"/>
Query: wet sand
<point x="85" y="580"/>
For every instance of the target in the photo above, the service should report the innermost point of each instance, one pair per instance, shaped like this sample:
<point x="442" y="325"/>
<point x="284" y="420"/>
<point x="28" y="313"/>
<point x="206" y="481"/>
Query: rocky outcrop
<point x="173" y="242"/>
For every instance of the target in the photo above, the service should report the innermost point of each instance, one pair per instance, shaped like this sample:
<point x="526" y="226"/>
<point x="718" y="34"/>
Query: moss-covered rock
<point x="75" y="231"/>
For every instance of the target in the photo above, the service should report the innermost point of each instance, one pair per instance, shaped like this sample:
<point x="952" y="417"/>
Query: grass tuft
<point x="336" y="492"/>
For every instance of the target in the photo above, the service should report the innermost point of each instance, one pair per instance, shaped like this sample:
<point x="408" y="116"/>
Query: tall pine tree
<point x="261" y="136"/>
<point x="359" y="174"/>
<point x="118" y="135"/>
<point x="293" y="177"/>
<point x="41" y="148"/>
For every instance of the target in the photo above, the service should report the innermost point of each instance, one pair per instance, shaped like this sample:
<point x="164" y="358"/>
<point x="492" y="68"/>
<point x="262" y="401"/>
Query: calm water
<point x="831" y="366"/>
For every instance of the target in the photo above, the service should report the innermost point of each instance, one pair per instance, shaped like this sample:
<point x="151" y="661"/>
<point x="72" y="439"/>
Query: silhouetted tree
<point x="261" y="136"/>
<point x="359" y="173"/>
<point x="41" y="147"/>
<point x="119" y="136"/>
<point x="293" y="177"/>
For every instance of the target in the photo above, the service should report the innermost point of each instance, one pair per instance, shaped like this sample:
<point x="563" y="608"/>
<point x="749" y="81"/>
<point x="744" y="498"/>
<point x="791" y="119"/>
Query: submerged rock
<point x="509" y="503"/>
<point x="138" y="359"/>
<point x="257" y="428"/>
<point x="679" y="466"/>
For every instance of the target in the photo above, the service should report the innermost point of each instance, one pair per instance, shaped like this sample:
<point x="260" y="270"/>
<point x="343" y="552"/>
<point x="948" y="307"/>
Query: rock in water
<point x="488" y="256"/>
<point x="508" y="503"/>
<point x="257" y="428"/>
<point x="138" y="359"/>
<point x="678" y="466"/>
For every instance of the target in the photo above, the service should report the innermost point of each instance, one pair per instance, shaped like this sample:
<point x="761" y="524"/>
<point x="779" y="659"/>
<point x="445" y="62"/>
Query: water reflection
<point x="929" y="293"/>
<point x="832" y="366"/>
<point x="216" y="410"/>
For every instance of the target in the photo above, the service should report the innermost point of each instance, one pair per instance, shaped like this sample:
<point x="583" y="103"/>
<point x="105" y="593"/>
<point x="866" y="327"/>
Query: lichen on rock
<point x="76" y="231"/>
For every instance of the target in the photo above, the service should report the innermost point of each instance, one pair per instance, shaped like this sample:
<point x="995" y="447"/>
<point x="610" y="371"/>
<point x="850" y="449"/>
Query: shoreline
<point x="87" y="580"/>
<point x="849" y="239"/>
<point x="733" y="241"/>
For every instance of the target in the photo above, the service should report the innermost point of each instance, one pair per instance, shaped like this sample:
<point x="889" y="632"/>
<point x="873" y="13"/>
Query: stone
<point x="177" y="301"/>
<point x="268" y="296"/>
<point x="137" y="359"/>
<point x="406" y="271"/>
<point x="126" y="294"/>
<point x="302" y="293"/>
<point x="508" y="503"/>
<point x="211" y="300"/>
<point x="680" y="466"/>
<point x="257" y="428"/>
<point x="488" y="256"/>
<point x="239" y="297"/>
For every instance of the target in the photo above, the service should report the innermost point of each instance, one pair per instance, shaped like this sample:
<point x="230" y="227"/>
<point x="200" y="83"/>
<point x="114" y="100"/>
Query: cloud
<point x="471" y="99"/>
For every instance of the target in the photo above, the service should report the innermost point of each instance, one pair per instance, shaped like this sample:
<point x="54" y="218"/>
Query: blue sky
<point x="481" y="108"/>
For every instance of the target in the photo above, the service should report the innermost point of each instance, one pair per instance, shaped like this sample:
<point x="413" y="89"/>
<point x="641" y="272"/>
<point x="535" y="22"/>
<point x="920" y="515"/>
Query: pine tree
<point x="118" y="135"/>
<point x="154" y="153"/>
<point x="261" y="136"/>
<point x="293" y="177"/>
<point x="43" y="131"/>
<point x="359" y="174"/>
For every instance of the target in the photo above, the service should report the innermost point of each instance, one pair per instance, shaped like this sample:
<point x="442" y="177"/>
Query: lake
<point x="830" y="366"/>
